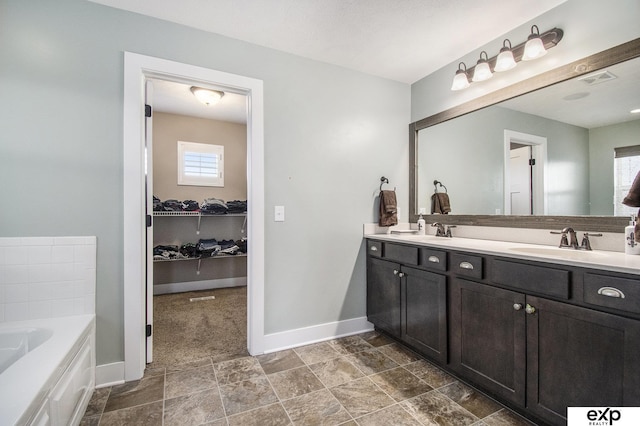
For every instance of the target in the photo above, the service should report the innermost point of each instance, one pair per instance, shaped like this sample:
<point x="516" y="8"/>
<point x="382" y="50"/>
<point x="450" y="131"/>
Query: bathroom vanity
<point x="537" y="327"/>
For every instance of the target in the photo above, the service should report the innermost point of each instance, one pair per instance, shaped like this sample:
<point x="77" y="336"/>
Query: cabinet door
<point x="488" y="338"/>
<point x="383" y="295"/>
<point x="580" y="358"/>
<point x="425" y="313"/>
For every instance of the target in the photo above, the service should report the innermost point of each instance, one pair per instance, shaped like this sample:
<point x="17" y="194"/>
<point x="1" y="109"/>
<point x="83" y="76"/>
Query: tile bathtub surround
<point x="364" y="380"/>
<point x="47" y="277"/>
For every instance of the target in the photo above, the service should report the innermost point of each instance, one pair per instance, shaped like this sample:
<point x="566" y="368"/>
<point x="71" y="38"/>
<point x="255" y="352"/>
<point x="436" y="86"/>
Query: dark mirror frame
<point x="606" y="58"/>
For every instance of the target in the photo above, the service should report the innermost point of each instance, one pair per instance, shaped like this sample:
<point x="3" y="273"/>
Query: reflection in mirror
<point x="548" y="152"/>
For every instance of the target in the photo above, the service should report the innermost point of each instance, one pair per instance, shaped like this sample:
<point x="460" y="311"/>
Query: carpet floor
<point x="186" y="331"/>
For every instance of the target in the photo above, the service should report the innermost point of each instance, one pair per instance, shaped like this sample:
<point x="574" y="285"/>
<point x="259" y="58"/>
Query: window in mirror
<point x="626" y="166"/>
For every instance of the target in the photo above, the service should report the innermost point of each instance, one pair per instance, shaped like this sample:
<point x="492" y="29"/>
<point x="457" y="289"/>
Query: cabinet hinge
<point x="147" y="110"/>
<point x="149" y="221"/>
<point x="148" y="330"/>
<point x="532" y="161"/>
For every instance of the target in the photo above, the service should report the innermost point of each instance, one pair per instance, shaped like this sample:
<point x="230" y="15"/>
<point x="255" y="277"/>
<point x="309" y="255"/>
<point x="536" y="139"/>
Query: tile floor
<point x="361" y="380"/>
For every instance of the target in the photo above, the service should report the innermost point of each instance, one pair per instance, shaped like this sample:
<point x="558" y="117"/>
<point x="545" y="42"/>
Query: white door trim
<point x="539" y="153"/>
<point x="136" y="69"/>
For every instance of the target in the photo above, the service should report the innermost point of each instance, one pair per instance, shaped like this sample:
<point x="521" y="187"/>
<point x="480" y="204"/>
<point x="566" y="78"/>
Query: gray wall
<point x="330" y="133"/>
<point x="602" y="141"/>
<point x="467" y="156"/>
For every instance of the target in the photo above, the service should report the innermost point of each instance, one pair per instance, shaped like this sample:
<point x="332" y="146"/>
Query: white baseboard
<point x="317" y="333"/>
<point x="199" y="285"/>
<point x="109" y="374"/>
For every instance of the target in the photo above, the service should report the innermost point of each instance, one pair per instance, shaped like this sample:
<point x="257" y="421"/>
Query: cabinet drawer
<point x="403" y="254"/>
<point x="467" y="265"/>
<point x="612" y="292"/>
<point x="433" y="259"/>
<point x="374" y="248"/>
<point x="538" y="279"/>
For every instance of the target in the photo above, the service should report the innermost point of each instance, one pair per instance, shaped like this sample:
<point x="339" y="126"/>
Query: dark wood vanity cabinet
<point x="578" y="357"/>
<point x="540" y="337"/>
<point x="488" y="342"/>
<point x="407" y="302"/>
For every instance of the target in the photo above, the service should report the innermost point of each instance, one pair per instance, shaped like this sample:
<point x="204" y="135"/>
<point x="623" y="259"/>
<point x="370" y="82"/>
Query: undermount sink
<point x="564" y="253"/>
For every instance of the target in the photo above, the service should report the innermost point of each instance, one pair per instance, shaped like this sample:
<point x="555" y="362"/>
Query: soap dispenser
<point x="421" y="224"/>
<point x="631" y="245"/>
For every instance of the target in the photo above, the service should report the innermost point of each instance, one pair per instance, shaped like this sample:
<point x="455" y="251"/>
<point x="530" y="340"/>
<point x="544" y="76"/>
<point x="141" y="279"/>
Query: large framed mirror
<point x="537" y="154"/>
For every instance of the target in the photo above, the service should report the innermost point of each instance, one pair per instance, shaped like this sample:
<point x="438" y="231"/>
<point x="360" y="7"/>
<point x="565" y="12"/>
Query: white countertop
<point x="597" y="259"/>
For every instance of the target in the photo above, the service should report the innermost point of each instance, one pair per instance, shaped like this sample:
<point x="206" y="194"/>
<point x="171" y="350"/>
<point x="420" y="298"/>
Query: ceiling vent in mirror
<point x="597" y="78"/>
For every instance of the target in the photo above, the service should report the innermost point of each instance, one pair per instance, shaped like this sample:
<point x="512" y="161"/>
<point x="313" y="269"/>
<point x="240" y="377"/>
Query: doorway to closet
<point x="197" y="244"/>
<point x="137" y="69"/>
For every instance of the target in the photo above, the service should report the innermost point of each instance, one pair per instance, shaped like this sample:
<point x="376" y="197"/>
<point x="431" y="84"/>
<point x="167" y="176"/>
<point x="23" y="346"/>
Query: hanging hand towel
<point x="440" y="203"/>
<point x="633" y="197"/>
<point x="388" y="208"/>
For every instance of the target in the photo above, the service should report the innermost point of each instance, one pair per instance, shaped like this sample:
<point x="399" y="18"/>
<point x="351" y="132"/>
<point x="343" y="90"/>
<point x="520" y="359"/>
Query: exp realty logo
<point x="603" y="416"/>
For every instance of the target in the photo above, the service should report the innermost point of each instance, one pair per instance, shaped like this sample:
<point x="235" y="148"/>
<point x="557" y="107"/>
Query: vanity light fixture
<point x="482" y="70"/>
<point x="207" y="96"/>
<point x="505" y="60"/>
<point x="461" y="79"/>
<point x="535" y="47"/>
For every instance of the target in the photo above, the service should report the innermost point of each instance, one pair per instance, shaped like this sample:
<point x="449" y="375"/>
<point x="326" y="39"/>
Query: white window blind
<point x="626" y="166"/>
<point x="200" y="164"/>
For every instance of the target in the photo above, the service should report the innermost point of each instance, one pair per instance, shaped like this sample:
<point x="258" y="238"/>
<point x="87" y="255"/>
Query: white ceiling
<point x="176" y="98"/>
<point x="403" y="40"/>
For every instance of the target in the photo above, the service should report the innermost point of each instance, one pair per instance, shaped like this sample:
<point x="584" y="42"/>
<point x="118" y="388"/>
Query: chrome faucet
<point x="586" y="244"/>
<point x="439" y="229"/>
<point x="448" y="233"/>
<point x="569" y="239"/>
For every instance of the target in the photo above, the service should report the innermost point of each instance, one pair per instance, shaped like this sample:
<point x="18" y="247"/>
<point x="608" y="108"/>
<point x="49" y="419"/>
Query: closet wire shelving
<point x="199" y="215"/>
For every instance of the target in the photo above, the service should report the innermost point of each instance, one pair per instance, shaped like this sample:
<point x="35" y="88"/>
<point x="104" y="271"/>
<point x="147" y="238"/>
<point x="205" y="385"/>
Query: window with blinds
<point x="200" y="164"/>
<point x="626" y="166"/>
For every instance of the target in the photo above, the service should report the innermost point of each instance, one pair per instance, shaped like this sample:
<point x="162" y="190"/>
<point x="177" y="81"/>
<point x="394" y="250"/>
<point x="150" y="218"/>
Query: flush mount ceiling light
<point x="207" y="96"/>
<point x="505" y="60"/>
<point x="482" y="70"/>
<point x="461" y="79"/>
<point x="535" y="47"/>
<point x="635" y="111"/>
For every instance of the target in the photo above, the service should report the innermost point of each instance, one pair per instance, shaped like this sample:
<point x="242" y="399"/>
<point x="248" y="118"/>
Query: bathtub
<point x="47" y="370"/>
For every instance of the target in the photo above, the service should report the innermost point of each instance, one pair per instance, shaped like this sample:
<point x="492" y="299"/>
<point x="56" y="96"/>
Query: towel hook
<point x="435" y="186"/>
<point x="384" y="180"/>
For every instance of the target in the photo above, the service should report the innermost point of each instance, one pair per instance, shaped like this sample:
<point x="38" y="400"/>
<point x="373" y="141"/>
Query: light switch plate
<point x="278" y="213"/>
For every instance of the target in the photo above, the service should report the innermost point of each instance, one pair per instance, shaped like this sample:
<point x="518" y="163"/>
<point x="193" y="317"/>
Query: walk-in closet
<point x="199" y="243"/>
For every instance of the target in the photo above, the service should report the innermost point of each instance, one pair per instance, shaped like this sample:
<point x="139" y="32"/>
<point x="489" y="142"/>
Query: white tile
<point x="40" y="309"/>
<point x="78" y="306"/>
<point x="37" y="241"/>
<point x="62" y="254"/>
<point x="85" y="254"/>
<point x="2" y="312"/>
<point x="38" y="254"/>
<point x="16" y="311"/>
<point x="40" y="291"/>
<point x="62" y="308"/>
<point x="63" y="290"/>
<point x="2" y="298"/>
<point x="15" y="256"/>
<point x="9" y="241"/>
<point x="15" y="274"/>
<point x="78" y="288"/>
<point x="16" y="293"/>
<point x="89" y="304"/>
<point x="40" y="273"/>
<point x="62" y="271"/>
